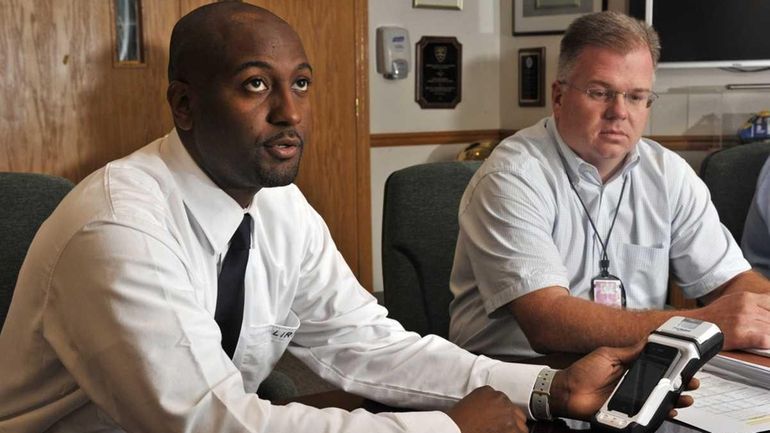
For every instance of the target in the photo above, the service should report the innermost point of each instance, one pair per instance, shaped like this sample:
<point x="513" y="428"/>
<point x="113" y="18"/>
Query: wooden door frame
<point x="363" y="176"/>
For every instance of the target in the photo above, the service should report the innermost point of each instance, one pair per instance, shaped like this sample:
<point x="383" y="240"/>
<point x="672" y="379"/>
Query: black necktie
<point x="229" y="312"/>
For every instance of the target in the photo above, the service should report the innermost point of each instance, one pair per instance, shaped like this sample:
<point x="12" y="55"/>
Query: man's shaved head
<point x="198" y="38"/>
<point x="239" y="92"/>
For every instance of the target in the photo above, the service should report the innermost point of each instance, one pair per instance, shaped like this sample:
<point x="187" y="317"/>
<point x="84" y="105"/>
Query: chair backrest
<point x="731" y="176"/>
<point x="419" y="233"/>
<point x="27" y="199"/>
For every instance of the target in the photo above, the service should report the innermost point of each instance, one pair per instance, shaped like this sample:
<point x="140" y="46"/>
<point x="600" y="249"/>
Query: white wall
<point x="489" y="91"/>
<point x="393" y="108"/>
<point x="511" y="115"/>
<point x="695" y="101"/>
<point x="477" y="28"/>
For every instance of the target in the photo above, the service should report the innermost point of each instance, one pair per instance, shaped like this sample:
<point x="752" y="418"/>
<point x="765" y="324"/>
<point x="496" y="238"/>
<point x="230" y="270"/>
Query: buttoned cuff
<point x="516" y="381"/>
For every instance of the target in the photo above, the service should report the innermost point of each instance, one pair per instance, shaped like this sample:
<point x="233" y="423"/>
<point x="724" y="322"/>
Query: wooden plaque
<point x="439" y="72"/>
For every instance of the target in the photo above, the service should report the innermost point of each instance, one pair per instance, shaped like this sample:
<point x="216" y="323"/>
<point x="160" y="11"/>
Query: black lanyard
<point x="604" y="262"/>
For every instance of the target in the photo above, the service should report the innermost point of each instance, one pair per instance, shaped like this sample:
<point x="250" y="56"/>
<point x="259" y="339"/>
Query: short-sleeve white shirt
<point x="112" y="327"/>
<point x="522" y="228"/>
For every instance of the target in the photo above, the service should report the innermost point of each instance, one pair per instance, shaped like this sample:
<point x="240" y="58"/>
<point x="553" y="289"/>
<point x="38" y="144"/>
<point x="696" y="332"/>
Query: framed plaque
<point x="550" y="17"/>
<point x="532" y="77"/>
<point x="438" y="83"/>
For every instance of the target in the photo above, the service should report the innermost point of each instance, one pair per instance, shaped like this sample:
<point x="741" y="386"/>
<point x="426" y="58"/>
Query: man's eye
<point x="255" y="85"/>
<point x="302" y="84"/>
<point x="638" y="97"/>
<point x="598" y="93"/>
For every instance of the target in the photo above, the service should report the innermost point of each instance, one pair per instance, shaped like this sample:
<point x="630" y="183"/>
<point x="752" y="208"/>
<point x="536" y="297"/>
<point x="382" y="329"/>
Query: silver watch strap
<point x="541" y="392"/>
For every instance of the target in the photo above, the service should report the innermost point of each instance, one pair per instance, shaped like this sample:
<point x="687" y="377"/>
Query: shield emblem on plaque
<point x="440" y="53"/>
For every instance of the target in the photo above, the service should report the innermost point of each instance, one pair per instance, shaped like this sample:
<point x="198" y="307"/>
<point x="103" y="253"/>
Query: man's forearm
<point x="556" y="322"/>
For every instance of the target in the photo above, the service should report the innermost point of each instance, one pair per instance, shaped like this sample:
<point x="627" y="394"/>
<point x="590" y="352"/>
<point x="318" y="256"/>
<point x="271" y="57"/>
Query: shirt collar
<point x="217" y="214"/>
<point x="584" y="170"/>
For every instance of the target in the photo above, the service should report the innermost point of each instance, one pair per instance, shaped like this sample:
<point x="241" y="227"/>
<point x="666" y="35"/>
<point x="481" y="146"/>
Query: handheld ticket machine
<point x="649" y="389"/>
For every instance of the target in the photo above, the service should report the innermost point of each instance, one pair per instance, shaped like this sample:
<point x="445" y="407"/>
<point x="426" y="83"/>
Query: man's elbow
<point x="540" y="339"/>
<point x="535" y="313"/>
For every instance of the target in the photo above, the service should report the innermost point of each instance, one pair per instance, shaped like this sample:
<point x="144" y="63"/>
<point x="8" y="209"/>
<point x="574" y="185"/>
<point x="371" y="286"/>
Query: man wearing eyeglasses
<point x="570" y="231"/>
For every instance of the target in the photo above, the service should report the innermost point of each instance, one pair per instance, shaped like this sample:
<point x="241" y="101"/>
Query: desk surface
<point x="344" y="400"/>
<point x="748" y="357"/>
<point x="563" y="360"/>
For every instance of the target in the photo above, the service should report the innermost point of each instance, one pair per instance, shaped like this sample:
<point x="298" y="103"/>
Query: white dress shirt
<point x="756" y="232"/>
<point x="112" y="325"/>
<point x="522" y="228"/>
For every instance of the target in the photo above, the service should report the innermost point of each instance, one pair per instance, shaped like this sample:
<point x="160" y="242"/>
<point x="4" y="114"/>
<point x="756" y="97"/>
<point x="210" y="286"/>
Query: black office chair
<point x="731" y="176"/>
<point x="27" y="200"/>
<point x="419" y="233"/>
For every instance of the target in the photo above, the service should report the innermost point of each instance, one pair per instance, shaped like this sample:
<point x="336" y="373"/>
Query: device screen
<point x="640" y="380"/>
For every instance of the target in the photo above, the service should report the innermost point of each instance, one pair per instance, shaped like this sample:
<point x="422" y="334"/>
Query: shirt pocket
<point x="260" y="347"/>
<point x="644" y="272"/>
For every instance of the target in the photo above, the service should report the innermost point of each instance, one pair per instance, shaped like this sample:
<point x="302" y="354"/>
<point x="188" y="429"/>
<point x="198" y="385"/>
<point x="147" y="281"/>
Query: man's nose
<point x="617" y="108"/>
<point x="284" y="109"/>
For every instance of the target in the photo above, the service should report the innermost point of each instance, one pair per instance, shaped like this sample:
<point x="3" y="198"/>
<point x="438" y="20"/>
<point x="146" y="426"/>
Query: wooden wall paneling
<point x="40" y="53"/>
<point x="677" y="299"/>
<point x="186" y="6"/>
<point x="672" y="142"/>
<point x="135" y="111"/>
<point x="68" y="109"/>
<point x="438" y="137"/>
<point x="331" y="175"/>
<point x="327" y="175"/>
<point x="72" y="110"/>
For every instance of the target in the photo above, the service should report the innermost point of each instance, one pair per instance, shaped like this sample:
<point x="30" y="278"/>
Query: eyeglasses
<point x="634" y="98"/>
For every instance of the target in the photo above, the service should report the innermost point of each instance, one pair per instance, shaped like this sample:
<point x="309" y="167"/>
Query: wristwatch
<point x="541" y="393"/>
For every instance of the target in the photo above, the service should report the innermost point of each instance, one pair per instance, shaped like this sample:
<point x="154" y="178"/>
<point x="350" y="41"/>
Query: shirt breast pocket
<point x="260" y="347"/>
<point x="644" y="271"/>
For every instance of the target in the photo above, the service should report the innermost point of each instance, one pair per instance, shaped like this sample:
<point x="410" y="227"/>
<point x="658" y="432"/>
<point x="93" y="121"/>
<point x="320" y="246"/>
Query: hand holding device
<point x="650" y="388"/>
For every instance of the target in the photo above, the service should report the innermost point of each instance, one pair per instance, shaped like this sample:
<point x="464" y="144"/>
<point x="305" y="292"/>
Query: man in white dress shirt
<point x="112" y="327"/>
<point x="570" y="230"/>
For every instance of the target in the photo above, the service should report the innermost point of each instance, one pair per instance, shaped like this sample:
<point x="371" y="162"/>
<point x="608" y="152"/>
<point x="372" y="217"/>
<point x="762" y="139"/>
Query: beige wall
<point x="477" y="28"/>
<point x="393" y="109"/>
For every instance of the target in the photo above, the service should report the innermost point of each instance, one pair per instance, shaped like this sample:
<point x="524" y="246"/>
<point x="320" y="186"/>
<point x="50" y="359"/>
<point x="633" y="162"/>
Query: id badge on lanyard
<point x="608" y="290"/>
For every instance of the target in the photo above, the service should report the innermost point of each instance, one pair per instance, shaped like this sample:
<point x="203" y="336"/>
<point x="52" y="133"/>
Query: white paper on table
<point x="761" y="352"/>
<point x="727" y="406"/>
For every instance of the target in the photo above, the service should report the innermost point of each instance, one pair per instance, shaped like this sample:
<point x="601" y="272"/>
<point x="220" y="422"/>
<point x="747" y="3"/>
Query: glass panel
<point x="128" y="31"/>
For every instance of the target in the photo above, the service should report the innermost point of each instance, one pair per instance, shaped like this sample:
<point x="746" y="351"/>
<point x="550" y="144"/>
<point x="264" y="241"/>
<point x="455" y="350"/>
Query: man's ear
<point x="178" y="97"/>
<point x="556" y="93"/>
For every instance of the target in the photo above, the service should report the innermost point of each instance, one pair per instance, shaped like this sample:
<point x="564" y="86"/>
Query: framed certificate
<point x="532" y="77"/>
<point x="549" y="17"/>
